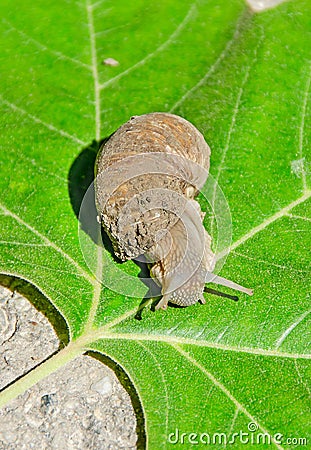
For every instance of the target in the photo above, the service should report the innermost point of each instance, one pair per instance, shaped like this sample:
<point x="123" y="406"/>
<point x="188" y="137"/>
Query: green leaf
<point x="243" y="79"/>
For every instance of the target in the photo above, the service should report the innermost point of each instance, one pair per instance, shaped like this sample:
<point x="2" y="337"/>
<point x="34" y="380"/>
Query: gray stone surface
<point x="80" y="406"/>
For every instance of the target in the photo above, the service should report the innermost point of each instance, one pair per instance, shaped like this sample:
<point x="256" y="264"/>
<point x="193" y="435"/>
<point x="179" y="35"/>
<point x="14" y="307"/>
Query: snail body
<point x="147" y="175"/>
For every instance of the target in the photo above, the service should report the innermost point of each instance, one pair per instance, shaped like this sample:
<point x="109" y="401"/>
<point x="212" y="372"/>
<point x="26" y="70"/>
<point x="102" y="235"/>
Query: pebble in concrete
<point x="80" y="406"/>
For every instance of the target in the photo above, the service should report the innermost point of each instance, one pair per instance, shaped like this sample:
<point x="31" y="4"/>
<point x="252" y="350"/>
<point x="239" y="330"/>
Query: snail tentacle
<point x="212" y="278"/>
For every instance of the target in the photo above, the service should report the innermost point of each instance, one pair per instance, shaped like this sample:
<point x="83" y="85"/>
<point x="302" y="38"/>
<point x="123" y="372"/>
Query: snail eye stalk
<point x="211" y="278"/>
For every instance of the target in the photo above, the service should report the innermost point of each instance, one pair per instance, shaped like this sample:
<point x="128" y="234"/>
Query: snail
<point x="147" y="175"/>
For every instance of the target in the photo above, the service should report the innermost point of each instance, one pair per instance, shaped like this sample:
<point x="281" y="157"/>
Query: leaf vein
<point x="268" y="263"/>
<point x="213" y="67"/>
<point x="41" y="122"/>
<point x="24" y="244"/>
<point x="305" y="383"/>
<point x="49" y="243"/>
<point x="99" y="266"/>
<point x="234" y="418"/>
<point x="301" y="129"/>
<point x="163" y="382"/>
<point x="232" y="126"/>
<point x="287" y="332"/>
<point x="278" y="215"/>
<point x="293" y="216"/>
<point x="100" y="333"/>
<point x="43" y="47"/>
<point x="156" y="51"/>
<point x="223" y="388"/>
<point x="90" y="20"/>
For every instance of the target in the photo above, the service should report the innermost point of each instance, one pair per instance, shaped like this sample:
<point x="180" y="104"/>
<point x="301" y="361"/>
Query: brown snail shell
<point x="150" y="134"/>
<point x="147" y="174"/>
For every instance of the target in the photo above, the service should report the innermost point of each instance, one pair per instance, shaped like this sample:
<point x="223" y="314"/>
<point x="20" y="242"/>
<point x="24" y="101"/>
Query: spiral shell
<point x="147" y="175"/>
<point x="161" y="147"/>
